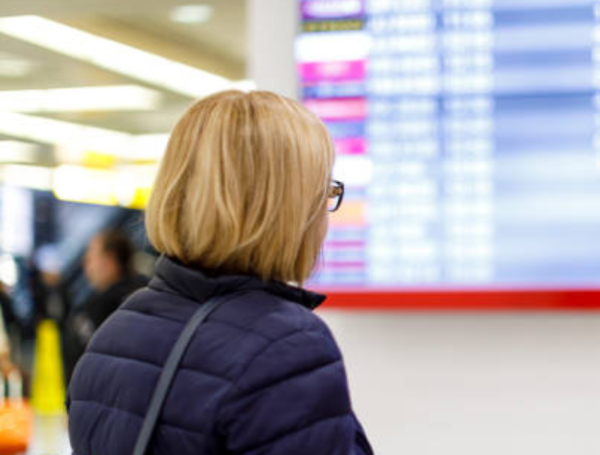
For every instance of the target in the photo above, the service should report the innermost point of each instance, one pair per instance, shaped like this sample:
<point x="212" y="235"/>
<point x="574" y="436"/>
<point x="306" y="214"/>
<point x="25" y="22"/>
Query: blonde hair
<point x="243" y="187"/>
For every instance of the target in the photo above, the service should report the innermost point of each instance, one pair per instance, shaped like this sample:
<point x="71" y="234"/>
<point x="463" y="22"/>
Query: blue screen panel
<point x="468" y="135"/>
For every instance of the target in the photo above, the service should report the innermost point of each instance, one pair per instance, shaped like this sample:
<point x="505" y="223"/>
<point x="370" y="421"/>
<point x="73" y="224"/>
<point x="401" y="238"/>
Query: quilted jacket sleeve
<point x="292" y="399"/>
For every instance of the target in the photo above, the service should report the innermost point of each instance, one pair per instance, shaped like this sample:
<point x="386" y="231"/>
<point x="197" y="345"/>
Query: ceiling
<point x="217" y="46"/>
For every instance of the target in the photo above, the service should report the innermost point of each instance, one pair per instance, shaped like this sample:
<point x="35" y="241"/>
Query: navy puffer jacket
<point x="262" y="375"/>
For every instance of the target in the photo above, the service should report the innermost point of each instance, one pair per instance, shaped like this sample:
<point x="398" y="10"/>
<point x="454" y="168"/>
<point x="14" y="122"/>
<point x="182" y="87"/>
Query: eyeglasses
<point x="335" y="195"/>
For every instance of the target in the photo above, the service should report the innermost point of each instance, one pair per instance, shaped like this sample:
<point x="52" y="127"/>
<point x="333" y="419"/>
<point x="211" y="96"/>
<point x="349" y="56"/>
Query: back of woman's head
<point x="243" y="186"/>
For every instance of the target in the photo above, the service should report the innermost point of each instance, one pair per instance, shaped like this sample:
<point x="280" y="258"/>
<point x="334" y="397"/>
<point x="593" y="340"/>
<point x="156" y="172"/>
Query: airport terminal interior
<point x="463" y="266"/>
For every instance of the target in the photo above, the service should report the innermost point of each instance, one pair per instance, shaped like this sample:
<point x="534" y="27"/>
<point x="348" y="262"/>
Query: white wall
<point x="453" y="383"/>
<point x="468" y="384"/>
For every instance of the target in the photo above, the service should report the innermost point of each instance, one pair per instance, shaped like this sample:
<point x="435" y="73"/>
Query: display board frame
<point x="342" y="98"/>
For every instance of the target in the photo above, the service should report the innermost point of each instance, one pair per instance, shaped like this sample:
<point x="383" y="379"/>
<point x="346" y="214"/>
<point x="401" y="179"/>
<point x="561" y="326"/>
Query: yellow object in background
<point x="98" y="160"/>
<point x="48" y="387"/>
<point x="127" y="186"/>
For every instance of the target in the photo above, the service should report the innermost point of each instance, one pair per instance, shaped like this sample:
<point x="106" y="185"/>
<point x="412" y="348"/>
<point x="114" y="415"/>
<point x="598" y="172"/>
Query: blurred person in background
<point x="7" y="319"/>
<point x="108" y="266"/>
<point x="49" y="294"/>
<point x="239" y="211"/>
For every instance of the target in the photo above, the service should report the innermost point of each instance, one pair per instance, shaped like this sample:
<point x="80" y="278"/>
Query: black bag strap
<point x="169" y="370"/>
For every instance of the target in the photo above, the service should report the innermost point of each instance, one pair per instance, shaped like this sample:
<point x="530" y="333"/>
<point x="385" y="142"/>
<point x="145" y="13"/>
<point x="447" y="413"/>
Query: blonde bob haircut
<point x="243" y="187"/>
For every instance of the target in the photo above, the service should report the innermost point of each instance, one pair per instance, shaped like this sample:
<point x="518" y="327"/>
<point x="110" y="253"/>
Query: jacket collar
<point x="172" y="276"/>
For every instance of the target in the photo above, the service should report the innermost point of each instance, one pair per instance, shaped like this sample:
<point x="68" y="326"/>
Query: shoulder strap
<point x="169" y="370"/>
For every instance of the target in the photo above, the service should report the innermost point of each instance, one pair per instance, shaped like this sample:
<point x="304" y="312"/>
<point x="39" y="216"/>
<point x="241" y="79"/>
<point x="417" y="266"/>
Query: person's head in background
<point x="108" y="259"/>
<point x="48" y="261"/>
<point x="243" y="187"/>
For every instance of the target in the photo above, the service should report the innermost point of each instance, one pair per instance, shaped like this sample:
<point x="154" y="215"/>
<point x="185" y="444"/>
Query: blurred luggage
<point x="16" y="418"/>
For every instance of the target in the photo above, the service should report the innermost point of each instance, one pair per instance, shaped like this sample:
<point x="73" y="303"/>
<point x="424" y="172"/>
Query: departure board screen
<point x="467" y="133"/>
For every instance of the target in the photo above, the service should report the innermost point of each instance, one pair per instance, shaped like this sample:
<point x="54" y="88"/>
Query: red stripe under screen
<point x="479" y="300"/>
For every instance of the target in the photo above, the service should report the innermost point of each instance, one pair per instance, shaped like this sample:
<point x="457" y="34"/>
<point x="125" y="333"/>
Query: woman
<point x="239" y="208"/>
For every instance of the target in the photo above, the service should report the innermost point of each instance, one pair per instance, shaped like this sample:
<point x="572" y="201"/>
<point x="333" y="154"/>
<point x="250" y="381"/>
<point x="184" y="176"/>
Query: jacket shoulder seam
<point x="234" y="382"/>
<point x="295" y="430"/>
<point x="156" y="365"/>
<point x="310" y="369"/>
<point x="209" y="321"/>
<point x="139" y="416"/>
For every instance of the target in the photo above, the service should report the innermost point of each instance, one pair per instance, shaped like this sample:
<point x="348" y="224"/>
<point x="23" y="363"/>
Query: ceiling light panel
<point x="59" y="132"/>
<point x="192" y="14"/>
<point x="34" y="177"/>
<point x="113" y="56"/>
<point x="14" y="67"/>
<point x="81" y="99"/>
<point x="18" y="152"/>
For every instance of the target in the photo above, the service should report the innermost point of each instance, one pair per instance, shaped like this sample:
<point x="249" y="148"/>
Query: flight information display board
<point x="467" y="133"/>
